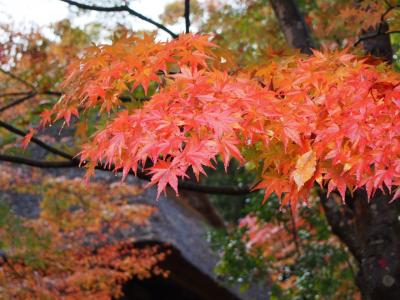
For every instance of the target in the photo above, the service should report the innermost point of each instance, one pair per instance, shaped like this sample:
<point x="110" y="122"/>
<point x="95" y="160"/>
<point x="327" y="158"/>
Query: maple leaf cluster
<point x="331" y="118"/>
<point x="109" y="70"/>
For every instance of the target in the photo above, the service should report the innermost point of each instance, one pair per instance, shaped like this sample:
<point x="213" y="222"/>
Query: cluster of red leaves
<point x="109" y="70"/>
<point x="274" y="239"/>
<point x="330" y="118"/>
<point x="345" y="113"/>
<point x="281" y="247"/>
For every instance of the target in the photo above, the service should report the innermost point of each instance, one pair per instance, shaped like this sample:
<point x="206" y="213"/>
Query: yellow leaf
<point x="305" y="168"/>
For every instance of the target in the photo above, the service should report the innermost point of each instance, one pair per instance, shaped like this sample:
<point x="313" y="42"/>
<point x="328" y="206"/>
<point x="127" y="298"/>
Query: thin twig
<point x="13" y="76"/>
<point x="187" y="16"/>
<point x="379" y="30"/>
<point x="28" y="95"/>
<point x="47" y="92"/>
<point x="189" y="186"/>
<point x="14" y="94"/>
<point x="121" y="8"/>
<point x="17" y="101"/>
<point x="374" y="35"/>
<point x="73" y="161"/>
<point x="36" y="141"/>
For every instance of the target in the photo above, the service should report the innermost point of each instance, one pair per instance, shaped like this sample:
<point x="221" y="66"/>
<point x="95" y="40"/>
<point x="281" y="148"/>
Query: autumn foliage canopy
<point x="330" y="118"/>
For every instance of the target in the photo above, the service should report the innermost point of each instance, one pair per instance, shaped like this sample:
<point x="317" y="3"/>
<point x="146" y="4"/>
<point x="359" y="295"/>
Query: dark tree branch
<point x="388" y="10"/>
<point x="47" y="92"/>
<point x="376" y="39"/>
<point x="14" y="94"/>
<point x="24" y="82"/>
<point x="374" y="35"/>
<point x="51" y="93"/>
<point x="38" y="163"/>
<point x="122" y="8"/>
<point x="36" y="141"/>
<point x="74" y="163"/>
<point x="28" y="95"/>
<point x="187" y="16"/>
<point x="370" y="229"/>
<point x="17" y="101"/>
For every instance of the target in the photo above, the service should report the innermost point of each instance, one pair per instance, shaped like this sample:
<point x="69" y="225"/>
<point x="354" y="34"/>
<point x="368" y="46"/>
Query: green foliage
<point x="318" y="272"/>
<point x="236" y="266"/>
<point x="247" y="30"/>
<point x="22" y="242"/>
<point x="320" y="269"/>
<point x="395" y="38"/>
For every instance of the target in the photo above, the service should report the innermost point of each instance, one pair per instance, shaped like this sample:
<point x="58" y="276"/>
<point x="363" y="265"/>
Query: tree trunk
<point x="369" y="229"/>
<point x="377" y="222"/>
<point x="293" y="25"/>
<point x="374" y="41"/>
<point x="371" y="232"/>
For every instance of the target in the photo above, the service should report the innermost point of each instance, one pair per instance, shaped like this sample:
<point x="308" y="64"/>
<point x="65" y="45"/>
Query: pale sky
<point x="24" y="13"/>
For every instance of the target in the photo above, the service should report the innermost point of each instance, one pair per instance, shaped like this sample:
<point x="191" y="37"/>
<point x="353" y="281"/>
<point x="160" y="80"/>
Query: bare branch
<point x="187" y="16"/>
<point x="28" y="95"/>
<point x="74" y="163"/>
<point x="371" y="36"/>
<point x="122" y="8"/>
<point x="379" y="31"/>
<point x="38" y="163"/>
<point x="37" y="141"/>
<point x="14" y="94"/>
<point x="388" y="10"/>
<point x="17" y="101"/>
<point x="13" y="76"/>
<point x="47" y="92"/>
<point x="51" y="93"/>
